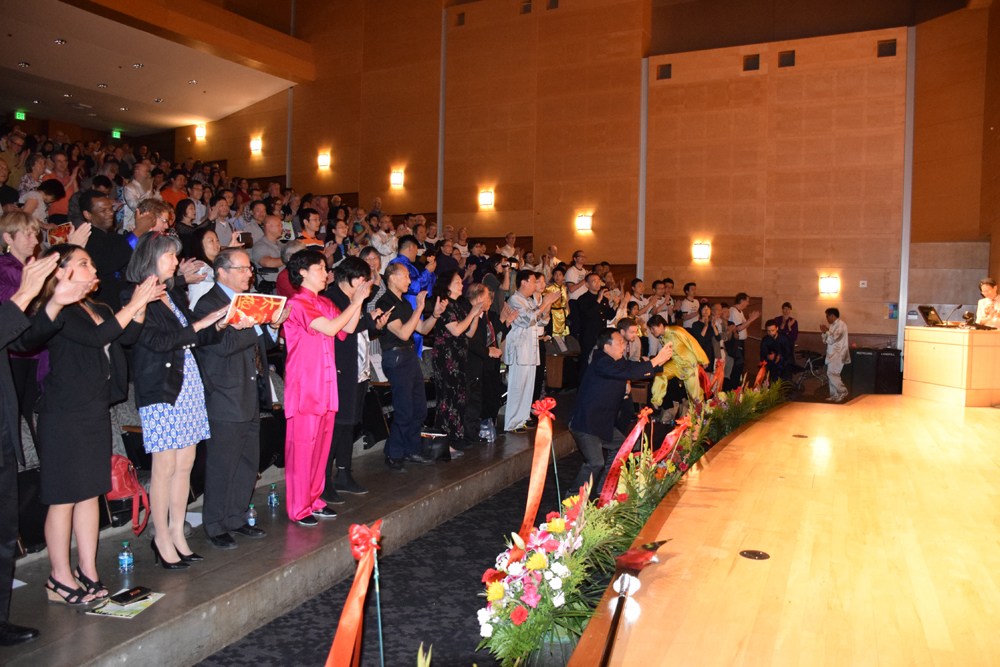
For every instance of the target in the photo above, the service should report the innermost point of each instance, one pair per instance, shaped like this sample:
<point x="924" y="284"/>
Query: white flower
<point x="515" y="569"/>
<point x="557" y="601"/>
<point x="486" y="630"/>
<point x="560" y="570"/>
<point x="555" y="583"/>
<point x="484" y="615"/>
<point x="548" y="573"/>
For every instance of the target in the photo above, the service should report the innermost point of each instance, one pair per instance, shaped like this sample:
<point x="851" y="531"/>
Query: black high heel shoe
<point x="157" y="559"/>
<point x="190" y="558"/>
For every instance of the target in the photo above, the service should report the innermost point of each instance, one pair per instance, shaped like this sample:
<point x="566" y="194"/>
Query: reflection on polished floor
<point x="881" y="518"/>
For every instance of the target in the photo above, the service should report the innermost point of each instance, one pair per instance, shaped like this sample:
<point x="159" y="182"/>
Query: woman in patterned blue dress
<point x="169" y="394"/>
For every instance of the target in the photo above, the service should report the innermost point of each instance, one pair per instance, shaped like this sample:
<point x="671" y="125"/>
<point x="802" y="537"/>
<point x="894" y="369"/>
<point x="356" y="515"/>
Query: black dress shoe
<point x="308" y="520"/>
<point x="331" y="496"/>
<point x="223" y="541"/>
<point x="325" y="513"/>
<point x="396" y="465"/>
<point x="191" y="557"/>
<point x="253" y="532"/>
<point x="12" y="635"/>
<point x="418" y="458"/>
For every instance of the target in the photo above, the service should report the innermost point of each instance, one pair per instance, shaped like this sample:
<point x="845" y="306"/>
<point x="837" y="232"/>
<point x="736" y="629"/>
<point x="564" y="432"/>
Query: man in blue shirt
<point x="420" y="280"/>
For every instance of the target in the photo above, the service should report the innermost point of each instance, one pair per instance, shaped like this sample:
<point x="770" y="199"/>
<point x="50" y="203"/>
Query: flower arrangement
<point x="545" y="588"/>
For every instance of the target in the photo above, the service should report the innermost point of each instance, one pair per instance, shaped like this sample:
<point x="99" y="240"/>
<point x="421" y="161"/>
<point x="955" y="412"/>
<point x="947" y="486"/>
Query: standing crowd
<point x="118" y="271"/>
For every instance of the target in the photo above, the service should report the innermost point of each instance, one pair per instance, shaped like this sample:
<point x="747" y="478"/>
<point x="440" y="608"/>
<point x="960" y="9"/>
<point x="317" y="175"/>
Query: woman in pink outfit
<point x="311" y="382"/>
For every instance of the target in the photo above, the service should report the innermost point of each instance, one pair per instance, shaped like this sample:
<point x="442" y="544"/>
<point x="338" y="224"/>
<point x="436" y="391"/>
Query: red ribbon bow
<point x="346" y="648"/>
<point x="364" y="539"/>
<point x="543" y="407"/>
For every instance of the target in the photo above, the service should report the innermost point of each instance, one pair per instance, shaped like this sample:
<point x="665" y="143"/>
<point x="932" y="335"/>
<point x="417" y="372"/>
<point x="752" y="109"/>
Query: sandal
<point x="63" y="594"/>
<point x="95" y="588"/>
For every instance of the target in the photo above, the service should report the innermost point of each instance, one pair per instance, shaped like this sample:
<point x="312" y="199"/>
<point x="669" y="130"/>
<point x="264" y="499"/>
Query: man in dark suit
<point x="12" y="323"/>
<point x="590" y="314"/>
<point x="230" y="368"/>
<point x="596" y="424"/>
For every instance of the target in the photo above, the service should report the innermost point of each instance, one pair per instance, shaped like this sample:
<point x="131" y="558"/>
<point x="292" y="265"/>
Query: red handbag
<point x="125" y="484"/>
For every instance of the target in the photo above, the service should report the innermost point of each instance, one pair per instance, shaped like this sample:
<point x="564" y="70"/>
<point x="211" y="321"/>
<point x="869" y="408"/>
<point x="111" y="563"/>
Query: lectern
<point x="951" y="365"/>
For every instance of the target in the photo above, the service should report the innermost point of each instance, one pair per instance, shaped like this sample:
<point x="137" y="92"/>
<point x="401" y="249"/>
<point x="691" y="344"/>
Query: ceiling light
<point x="102" y="85"/>
<point x="123" y="108"/>
<point x="34" y="101"/>
<point x="137" y="65"/>
<point x="24" y="65"/>
<point x="67" y="95"/>
<point x="92" y="114"/>
<point x="60" y="42"/>
<point x="192" y="82"/>
<point x="158" y="100"/>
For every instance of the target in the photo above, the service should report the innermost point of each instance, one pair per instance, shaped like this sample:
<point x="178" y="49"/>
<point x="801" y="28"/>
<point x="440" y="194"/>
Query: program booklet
<point x="260" y="308"/>
<point x="125" y="611"/>
<point x="59" y="233"/>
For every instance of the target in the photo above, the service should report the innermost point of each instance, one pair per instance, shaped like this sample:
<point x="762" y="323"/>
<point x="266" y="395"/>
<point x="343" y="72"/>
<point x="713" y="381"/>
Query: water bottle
<point x="251" y="516"/>
<point x="272" y="497"/>
<point x="126" y="561"/>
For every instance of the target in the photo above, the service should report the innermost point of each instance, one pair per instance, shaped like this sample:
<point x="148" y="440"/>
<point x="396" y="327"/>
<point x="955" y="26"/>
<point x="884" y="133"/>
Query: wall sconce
<point x="396" y="180"/>
<point x="584" y="222"/>
<point x="200" y="132"/>
<point x="829" y="285"/>
<point x="701" y="251"/>
<point x="486" y="199"/>
<point x="256" y="145"/>
<point x="323" y="160"/>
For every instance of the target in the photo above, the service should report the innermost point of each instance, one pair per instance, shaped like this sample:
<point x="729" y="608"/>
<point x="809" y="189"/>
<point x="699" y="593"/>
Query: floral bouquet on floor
<point x="533" y="586"/>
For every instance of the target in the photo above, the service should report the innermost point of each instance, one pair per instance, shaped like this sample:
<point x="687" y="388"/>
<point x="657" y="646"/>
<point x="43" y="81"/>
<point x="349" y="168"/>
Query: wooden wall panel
<point x="789" y="172"/>
<point x="990" y="206"/>
<point x="948" y="127"/>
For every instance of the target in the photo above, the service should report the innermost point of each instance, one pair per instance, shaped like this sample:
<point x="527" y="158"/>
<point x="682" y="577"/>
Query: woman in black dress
<point x="451" y="350"/>
<point x="87" y="375"/>
<point x="704" y="332"/>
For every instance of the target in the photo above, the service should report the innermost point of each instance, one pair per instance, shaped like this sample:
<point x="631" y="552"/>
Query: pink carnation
<point x="530" y="597"/>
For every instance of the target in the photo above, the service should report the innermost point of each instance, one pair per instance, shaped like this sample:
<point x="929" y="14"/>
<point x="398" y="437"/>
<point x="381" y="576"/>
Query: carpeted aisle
<point x="429" y="594"/>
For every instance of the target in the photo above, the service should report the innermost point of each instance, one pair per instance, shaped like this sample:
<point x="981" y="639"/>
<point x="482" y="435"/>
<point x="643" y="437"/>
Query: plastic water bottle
<point x="272" y="497"/>
<point x="251" y="516"/>
<point x="126" y="560"/>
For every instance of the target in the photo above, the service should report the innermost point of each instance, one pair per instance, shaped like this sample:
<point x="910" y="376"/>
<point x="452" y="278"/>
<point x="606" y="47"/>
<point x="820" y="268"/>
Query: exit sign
<point x="20" y="115"/>
<point x="116" y="134"/>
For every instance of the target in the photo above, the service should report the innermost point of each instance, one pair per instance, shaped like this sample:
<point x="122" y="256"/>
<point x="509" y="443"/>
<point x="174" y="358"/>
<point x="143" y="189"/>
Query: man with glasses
<point x="576" y="284"/>
<point x="231" y="368"/>
<point x="14" y="155"/>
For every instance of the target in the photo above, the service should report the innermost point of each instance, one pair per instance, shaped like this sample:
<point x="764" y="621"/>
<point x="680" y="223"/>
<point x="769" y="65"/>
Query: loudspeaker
<point x="863" y="363"/>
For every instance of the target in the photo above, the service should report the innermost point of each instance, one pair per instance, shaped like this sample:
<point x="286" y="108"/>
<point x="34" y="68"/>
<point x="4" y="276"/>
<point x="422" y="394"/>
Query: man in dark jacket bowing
<point x="353" y="373"/>
<point x="230" y="369"/>
<point x="602" y="393"/>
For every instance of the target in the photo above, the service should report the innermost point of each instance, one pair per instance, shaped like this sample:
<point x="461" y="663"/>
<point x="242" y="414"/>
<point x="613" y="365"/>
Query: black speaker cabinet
<point x="863" y="364"/>
<point x="889" y="372"/>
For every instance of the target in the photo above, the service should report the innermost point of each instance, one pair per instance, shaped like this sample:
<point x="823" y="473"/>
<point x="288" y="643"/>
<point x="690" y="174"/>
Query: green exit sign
<point x="20" y="115"/>
<point x="116" y="134"/>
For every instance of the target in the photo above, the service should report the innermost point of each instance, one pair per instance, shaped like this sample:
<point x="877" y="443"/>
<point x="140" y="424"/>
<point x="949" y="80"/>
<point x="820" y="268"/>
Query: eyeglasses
<point x="239" y="268"/>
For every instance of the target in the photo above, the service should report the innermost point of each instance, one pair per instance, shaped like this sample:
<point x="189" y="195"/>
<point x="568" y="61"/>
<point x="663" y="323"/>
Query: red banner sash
<point x="346" y="648"/>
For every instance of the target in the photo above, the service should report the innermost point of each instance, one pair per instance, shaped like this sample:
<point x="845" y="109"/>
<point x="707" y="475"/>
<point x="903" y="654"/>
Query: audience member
<point x="838" y="353"/>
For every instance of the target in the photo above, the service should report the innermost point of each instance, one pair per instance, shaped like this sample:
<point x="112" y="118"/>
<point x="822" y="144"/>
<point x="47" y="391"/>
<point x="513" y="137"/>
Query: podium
<point x="952" y="366"/>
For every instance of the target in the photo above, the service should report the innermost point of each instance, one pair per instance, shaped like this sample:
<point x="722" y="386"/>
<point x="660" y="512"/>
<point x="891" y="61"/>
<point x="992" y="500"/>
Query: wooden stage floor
<point x="882" y="526"/>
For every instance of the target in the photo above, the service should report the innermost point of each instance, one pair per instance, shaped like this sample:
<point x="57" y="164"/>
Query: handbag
<point x="125" y="485"/>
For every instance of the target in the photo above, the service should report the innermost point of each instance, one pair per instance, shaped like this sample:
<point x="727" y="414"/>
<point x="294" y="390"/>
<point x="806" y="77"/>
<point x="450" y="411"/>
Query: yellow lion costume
<point x="688" y="356"/>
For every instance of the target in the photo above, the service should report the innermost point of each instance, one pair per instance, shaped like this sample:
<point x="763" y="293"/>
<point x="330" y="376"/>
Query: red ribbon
<point x="611" y="482"/>
<point x="671" y="440"/>
<point x="346" y="648"/>
<point x="761" y="375"/>
<point x="539" y="466"/>
<point x="718" y="376"/>
<point x="705" y="381"/>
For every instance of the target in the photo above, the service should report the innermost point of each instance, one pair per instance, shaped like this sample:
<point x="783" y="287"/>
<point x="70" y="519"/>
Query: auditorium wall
<point x="990" y="209"/>
<point x="790" y="172"/>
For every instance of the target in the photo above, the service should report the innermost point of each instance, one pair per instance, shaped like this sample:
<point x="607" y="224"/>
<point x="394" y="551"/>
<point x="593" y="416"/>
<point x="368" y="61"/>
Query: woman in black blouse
<point x="87" y="375"/>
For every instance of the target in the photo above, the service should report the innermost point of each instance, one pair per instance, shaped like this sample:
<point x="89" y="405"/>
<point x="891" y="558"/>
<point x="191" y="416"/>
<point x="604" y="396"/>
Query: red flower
<point x="683" y="466"/>
<point x="519" y="615"/>
<point x="551" y="515"/>
<point x="621" y="497"/>
<point x="491" y="575"/>
<point x="661" y="473"/>
<point x="550" y="545"/>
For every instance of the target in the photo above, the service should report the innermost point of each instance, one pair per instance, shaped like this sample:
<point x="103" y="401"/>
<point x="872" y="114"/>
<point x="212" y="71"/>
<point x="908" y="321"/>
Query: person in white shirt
<point x="988" y="308"/>
<point x="508" y="250"/>
<point x="138" y="190"/>
<point x="738" y="325"/>
<point x="669" y="308"/>
<point x="385" y="240"/>
<point x="576" y="284"/>
<point x="838" y="353"/>
<point x="689" y="306"/>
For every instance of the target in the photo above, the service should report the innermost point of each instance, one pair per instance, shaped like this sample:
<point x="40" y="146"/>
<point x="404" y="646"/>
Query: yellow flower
<point x="572" y="500"/>
<point x="671" y="468"/>
<point x="494" y="591"/>
<point x="537" y="561"/>
<point x="557" y="525"/>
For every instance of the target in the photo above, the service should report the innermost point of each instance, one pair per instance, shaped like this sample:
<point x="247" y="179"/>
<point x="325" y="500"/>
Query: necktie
<point x="491" y="339"/>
